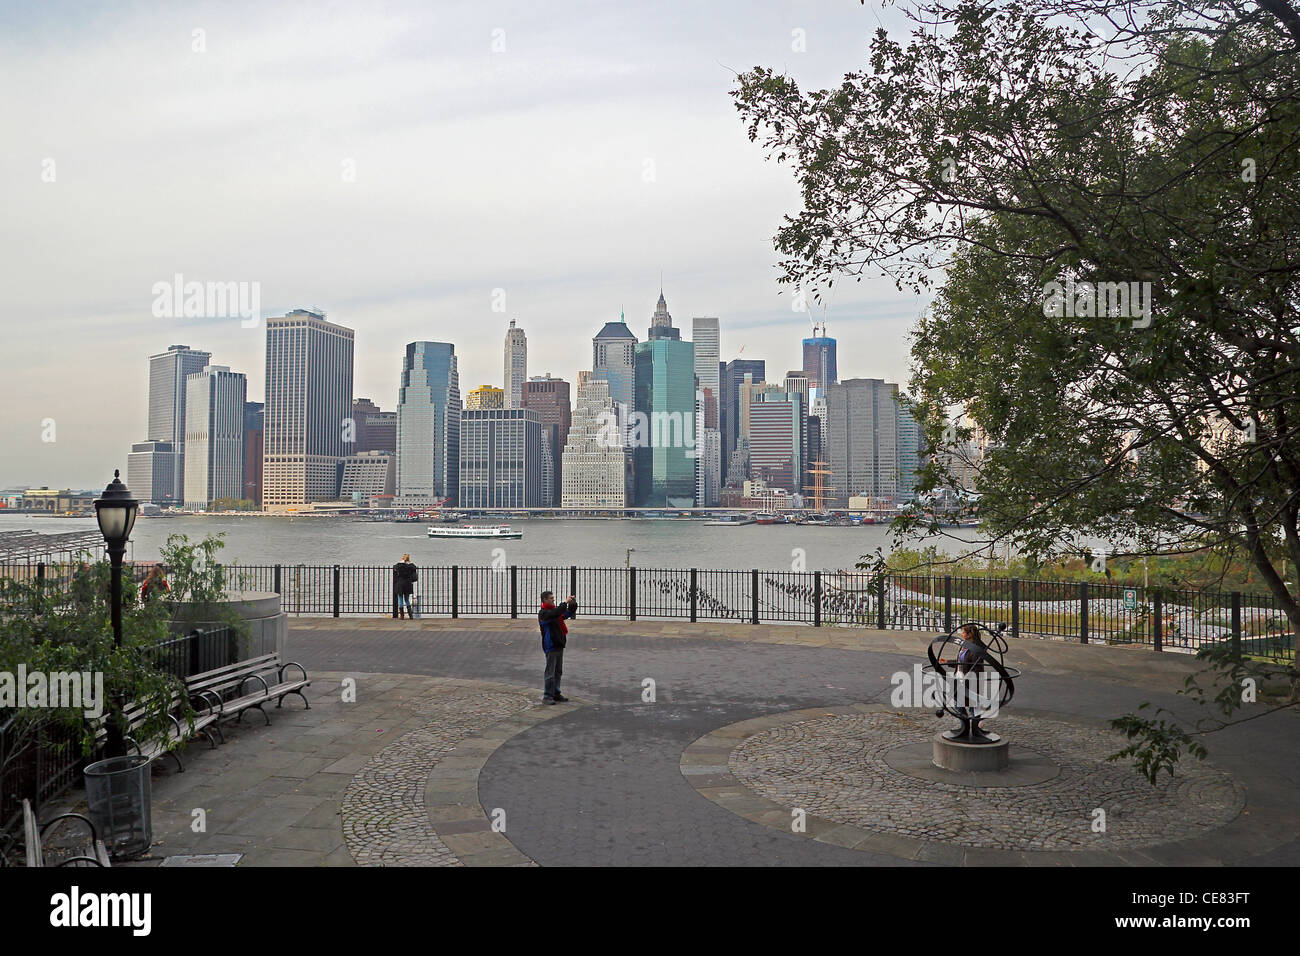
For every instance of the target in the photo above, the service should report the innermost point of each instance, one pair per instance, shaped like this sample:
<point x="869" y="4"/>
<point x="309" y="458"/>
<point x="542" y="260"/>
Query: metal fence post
<point x="196" y="637"/>
<point x="514" y="590"/>
<point x="1083" y="612"/>
<point x="631" y="594"/>
<point x="693" y="605"/>
<point x="573" y="579"/>
<point x="947" y="603"/>
<point x="817" y="599"/>
<point x="1015" y="607"/>
<point x="1236" y="625"/>
<point x="336" y="590"/>
<point x="455" y="585"/>
<point x="753" y="586"/>
<point x="880" y="601"/>
<point x="275" y="583"/>
<point x="1158" y="625"/>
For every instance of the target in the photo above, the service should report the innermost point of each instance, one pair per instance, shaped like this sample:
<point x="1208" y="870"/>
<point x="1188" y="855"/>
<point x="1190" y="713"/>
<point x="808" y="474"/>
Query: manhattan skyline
<point x="555" y="177"/>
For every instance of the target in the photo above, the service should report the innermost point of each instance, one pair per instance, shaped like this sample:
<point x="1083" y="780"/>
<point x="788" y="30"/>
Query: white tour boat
<point x="499" y="531"/>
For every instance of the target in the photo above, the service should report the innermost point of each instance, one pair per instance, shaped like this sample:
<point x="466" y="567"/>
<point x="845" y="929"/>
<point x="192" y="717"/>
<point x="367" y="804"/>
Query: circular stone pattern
<point x="385" y="822"/>
<point x="835" y="767"/>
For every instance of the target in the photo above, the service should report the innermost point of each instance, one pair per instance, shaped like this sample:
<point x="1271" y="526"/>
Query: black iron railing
<point x="1164" y="619"/>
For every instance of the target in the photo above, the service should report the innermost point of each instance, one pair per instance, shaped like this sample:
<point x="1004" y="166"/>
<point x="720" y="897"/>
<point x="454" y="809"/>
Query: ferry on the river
<point x="497" y="531"/>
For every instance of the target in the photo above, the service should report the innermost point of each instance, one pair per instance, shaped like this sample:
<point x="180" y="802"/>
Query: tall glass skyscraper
<point x="819" y="358"/>
<point x="428" y="426"/>
<point x="663" y="427"/>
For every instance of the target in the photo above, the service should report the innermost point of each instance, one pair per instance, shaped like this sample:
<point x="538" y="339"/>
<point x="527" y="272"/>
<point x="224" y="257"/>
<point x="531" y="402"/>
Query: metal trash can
<point x="118" y="791"/>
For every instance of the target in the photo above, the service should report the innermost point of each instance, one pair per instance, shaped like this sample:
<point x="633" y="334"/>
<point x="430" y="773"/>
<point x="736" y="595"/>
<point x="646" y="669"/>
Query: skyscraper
<point x="613" y="358"/>
<point x="732" y="375"/>
<point x="308" y="400"/>
<point x="501" y="458"/>
<point x="796" y="383"/>
<point x="775" y="439"/>
<point x="708" y="446"/>
<point x="663" y="426"/>
<point x="428" y="426"/>
<point x="909" y="452"/>
<point x="595" y="461"/>
<point x="254" y="430"/>
<point x="167" y="374"/>
<point x="661" y="323"/>
<point x="861" y="439"/>
<point x="549" y="397"/>
<point x="706" y="337"/>
<point x="819" y="360"/>
<point x="516" y="365"/>
<point x="214" y="436"/>
<point x="151" y="472"/>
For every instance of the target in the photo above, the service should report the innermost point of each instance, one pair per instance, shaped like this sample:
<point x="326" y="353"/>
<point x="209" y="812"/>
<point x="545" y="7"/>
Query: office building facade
<point x="214" y="436"/>
<point x="168" y="372"/>
<point x="861" y="440"/>
<point x="428" y="426"/>
<point x="663" y="427"/>
<point x="308" y="403"/>
<point x="596" y="465"/>
<point x="516" y="365"/>
<point x="501" y="458"/>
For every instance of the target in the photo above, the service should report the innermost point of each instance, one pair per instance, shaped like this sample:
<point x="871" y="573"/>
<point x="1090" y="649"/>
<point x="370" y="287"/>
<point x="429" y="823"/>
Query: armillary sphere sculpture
<point x="973" y="680"/>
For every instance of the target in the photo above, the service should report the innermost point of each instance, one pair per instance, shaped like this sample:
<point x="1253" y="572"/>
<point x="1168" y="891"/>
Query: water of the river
<point x="546" y="542"/>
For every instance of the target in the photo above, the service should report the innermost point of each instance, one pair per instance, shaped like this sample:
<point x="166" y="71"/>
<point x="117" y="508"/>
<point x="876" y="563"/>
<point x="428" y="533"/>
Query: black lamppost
<point x="115" y="511"/>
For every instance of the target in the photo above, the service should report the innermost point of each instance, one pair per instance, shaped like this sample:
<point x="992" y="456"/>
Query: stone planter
<point x="266" y="624"/>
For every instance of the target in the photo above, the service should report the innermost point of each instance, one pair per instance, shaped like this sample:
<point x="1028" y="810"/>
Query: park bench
<point x="235" y="688"/>
<point x="135" y="714"/>
<point x="36" y="850"/>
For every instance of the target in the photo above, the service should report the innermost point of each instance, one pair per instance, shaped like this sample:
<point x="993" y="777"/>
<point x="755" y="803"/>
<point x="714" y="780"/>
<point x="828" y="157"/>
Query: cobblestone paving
<point x="834" y="767"/>
<point x="385" y="821"/>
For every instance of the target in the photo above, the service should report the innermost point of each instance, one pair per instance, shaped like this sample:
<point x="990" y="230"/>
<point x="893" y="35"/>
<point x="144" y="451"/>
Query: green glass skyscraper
<point x="662" y="430"/>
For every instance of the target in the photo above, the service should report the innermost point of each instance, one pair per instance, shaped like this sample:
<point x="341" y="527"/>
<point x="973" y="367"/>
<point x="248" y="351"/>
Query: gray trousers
<point x="554" y="670"/>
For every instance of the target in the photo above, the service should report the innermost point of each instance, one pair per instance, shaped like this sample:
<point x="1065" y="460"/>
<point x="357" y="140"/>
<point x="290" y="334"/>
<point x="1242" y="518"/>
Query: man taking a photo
<point x="551" y="618"/>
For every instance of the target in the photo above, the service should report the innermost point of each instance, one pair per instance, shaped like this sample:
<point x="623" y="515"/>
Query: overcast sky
<point x="599" y="147"/>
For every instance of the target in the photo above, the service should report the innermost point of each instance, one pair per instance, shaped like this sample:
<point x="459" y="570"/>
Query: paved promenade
<point x="763" y="745"/>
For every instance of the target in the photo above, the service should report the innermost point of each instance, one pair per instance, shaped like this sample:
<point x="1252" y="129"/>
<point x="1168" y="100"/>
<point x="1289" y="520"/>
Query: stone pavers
<point x="444" y="739"/>
<point x="415" y="803"/>
<point x="828" y="769"/>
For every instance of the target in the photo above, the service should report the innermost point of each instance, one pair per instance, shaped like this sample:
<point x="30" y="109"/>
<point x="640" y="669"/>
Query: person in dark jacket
<point x="551" y="618"/>
<point x="404" y="577"/>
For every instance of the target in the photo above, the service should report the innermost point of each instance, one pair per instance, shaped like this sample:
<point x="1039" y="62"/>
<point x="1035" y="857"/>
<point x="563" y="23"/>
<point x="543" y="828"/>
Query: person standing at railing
<point x="404" y="577"/>
<point x="551" y="618"/>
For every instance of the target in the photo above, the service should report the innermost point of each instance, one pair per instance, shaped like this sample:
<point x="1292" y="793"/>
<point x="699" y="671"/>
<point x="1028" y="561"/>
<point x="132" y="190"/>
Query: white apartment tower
<point x="308" y="408"/>
<point x="516" y="366"/>
<point x="214" y="436"/>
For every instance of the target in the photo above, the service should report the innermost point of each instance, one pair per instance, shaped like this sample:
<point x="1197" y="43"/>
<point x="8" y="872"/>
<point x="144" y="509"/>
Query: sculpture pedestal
<point x="971" y="758"/>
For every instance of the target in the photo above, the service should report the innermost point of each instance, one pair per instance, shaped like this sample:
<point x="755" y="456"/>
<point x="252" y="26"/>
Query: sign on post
<point x="1130" y="599"/>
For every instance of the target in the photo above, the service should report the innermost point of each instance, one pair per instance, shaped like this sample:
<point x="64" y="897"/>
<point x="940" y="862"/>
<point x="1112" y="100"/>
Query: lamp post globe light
<point x="115" y="511"/>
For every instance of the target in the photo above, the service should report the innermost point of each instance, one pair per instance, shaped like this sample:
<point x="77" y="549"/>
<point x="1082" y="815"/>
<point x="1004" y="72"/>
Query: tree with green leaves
<point x="1101" y="198"/>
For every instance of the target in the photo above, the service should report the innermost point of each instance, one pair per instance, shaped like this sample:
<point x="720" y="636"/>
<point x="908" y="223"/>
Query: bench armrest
<point x="94" y="834"/>
<point x="280" y="678"/>
<point x="265" y="686"/>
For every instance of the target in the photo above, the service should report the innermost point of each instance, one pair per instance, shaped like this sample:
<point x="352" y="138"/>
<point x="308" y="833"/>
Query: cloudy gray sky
<point x="567" y="169"/>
